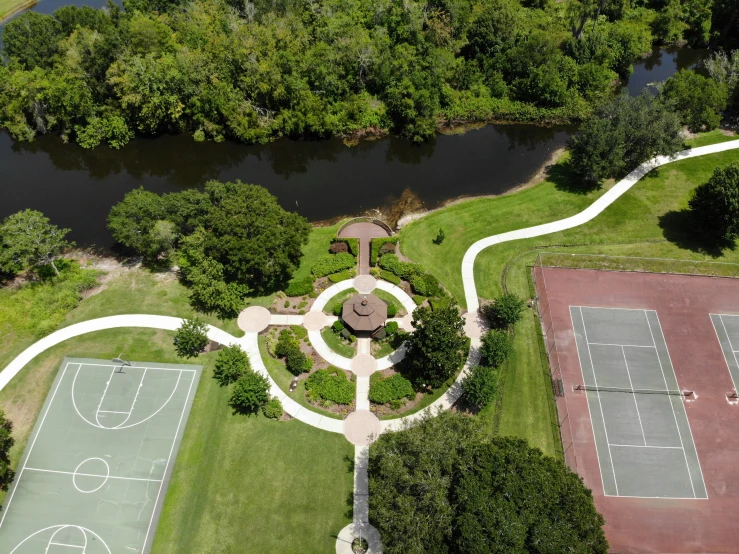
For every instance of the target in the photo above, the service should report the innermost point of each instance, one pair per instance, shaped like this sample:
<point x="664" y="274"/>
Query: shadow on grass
<point x="566" y="180"/>
<point x="678" y="227"/>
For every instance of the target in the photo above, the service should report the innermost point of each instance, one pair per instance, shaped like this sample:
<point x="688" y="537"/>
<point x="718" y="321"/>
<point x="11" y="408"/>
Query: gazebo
<point x="364" y="313"/>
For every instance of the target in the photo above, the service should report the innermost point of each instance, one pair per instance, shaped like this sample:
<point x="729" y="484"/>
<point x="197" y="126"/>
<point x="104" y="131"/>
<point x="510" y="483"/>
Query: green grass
<point x="712" y="137"/>
<point x="240" y="484"/>
<point x="9" y="7"/>
<point x="390" y="299"/>
<point x="645" y="221"/>
<point x="337" y="345"/>
<point x="283" y="378"/>
<point x="319" y="242"/>
<point x="338" y="299"/>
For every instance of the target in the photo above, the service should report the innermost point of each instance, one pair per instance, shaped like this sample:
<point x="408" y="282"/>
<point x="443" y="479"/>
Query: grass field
<point x="9" y="7"/>
<point x="649" y="220"/>
<point x="241" y="484"/>
<point x="336" y="344"/>
<point x="337" y="299"/>
<point x="390" y="299"/>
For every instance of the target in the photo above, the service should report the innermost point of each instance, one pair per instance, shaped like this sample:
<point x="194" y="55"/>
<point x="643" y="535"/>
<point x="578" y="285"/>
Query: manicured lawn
<point x="8" y="7"/>
<point x="646" y="221"/>
<point x="319" y="242"/>
<point x="338" y="299"/>
<point x="283" y="378"/>
<point x="390" y="300"/>
<point x="336" y="344"/>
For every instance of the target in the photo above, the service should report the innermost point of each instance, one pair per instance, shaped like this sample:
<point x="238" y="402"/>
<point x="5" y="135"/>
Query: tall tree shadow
<point x="566" y="180"/>
<point x="679" y="227"/>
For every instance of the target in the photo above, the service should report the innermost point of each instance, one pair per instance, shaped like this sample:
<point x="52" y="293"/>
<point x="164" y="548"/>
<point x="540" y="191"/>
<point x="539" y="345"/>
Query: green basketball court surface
<point x="96" y="468"/>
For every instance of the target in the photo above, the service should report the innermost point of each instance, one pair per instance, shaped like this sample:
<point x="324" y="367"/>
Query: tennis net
<point x="687" y="393"/>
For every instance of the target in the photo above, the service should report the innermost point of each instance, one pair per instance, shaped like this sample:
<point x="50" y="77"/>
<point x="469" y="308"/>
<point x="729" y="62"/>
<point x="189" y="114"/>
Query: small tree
<point x="496" y="347"/>
<point x="191" y="338"/>
<point x="250" y="393"/>
<point x="479" y="386"/>
<point x="6" y="443"/>
<point x="232" y="363"/>
<point x="273" y="408"/>
<point x="715" y="204"/>
<point x="436" y="349"/>
<point x="28" y="238"/>
<point x="505" y="311"/>
<point x="698" y="100"/>
<point x="440" y="237"/>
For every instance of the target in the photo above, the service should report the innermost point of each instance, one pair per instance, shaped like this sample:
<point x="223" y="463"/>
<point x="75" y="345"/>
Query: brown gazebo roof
<point x="364" y="312"/>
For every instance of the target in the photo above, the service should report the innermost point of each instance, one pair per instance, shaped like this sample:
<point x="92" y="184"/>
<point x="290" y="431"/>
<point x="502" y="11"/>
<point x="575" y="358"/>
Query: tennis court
<point x="96" y="468"/>
<point x="643" y="438"/>
<point x="727" y="330"/>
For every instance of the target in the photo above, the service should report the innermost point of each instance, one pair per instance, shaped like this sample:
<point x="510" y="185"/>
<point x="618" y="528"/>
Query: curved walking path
<point x="468" y="262"/>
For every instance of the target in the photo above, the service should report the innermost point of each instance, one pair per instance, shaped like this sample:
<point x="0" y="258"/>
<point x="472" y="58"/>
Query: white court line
<point x="726" y="332"/>
<point x="111" y="412"/>
<point x="621" y="345"/>
<point x="587" y="401"/>
<point x="91" y="475"/>
<point x="605" y="427"/>
<point x="67" y="545"/>
<point x="726" y="360"/>
<point x="636" y="404"/>
<point x="655" y="497"/>
<point x="169" y="458"/>
<point x="102" y="398"/>
<point x="138" y="367"/>
<point x="674" y="415"/>
<point x="647" y="446"/>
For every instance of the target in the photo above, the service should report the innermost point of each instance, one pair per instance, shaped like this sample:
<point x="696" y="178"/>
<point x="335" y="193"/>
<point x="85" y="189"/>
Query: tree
<point x="715" y="204"/>
<point x="479" y="386"/>
<point x="496" y="347"/>
<point x="6" y="443"/>
<point x="232" y="363"/>
<point x="509" y="497"/>
<point x="698" y="100"/>
<point x="437" y="347"/>
<point x="191" y="338"/>
<point x="32" y="39"/>
<point x="439" y="486"/>
<point x="623" y="134"/>
<point x="131" y="221"/>
<point x="28" y="238"/>
<point x="250" y="393"/>
<point x="506" y="310"/>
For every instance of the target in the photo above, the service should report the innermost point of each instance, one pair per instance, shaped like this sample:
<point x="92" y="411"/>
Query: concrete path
<point x="468" y="263"/>
<point x="365" y="231"/>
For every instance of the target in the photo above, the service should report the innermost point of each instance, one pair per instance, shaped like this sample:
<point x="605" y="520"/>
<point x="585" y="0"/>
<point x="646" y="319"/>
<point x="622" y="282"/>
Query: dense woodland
<point x="253" y="71"/>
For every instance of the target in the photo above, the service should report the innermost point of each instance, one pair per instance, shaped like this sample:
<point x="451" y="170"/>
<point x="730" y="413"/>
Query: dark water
<point x="321" y="180"/>
<point x="663" y="64"/>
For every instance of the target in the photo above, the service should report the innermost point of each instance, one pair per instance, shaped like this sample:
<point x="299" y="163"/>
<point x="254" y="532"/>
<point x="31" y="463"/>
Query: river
<point x="322" y="180"/>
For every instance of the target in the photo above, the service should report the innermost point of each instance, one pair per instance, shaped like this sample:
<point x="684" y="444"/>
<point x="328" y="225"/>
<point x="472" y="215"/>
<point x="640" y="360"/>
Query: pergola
<point x="364" y="313"/>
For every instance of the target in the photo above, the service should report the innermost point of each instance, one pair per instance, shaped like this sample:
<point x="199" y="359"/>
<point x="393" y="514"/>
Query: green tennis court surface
<point x="727" y="330"/>
<point x="642" y="434"/>
<point x="95" y="471"/>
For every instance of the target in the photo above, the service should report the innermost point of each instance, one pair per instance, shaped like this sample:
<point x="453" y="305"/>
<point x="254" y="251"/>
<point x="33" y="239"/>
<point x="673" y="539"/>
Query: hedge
<point x="384" y="390"/>
<point x="342" y="275"/>
<point x="390" y="277"/>
<point x="329" y="264"/>
<point x="426" y="284"/>
<point x="299" y="287"/>
<point x="377" y="244"/>
<point x="330" y="385"/>
<point x="353" y="244"/>
<point x="404" y="270"/>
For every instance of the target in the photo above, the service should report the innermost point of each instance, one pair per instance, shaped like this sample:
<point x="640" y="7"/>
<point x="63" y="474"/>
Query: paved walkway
<point x="364" y="231"/>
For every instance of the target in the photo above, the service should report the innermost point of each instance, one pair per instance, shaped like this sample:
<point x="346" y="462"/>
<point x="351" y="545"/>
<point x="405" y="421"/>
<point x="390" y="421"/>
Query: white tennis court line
<point x="731" y="346"/>
<point x="636" y="404"/>
<point x="654" y="346"/>
<point x="43" y="420"/>
<point x="92" y="475"/>
<point x="647" y="446"/>
<point x="137" y="367"/>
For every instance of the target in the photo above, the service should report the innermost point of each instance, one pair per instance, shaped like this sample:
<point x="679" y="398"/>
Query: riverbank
<point x="9" y="8"/>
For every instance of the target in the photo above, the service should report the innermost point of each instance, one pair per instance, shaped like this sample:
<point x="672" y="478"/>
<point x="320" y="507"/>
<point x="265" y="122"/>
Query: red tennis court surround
<point x="684" y="305"/>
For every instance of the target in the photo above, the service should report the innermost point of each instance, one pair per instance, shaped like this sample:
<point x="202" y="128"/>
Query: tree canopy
<point x="6" y="443"/>
<point x="439" y="486"/>
<point x="253" y="71"/>
<point x="232" y="239"/>
<point x="437" y="346"/>
<point x="28" y="238"/>
<point x="191" y="338"/>
<point x="699" y="101"/>
<point x="715" y="204"/>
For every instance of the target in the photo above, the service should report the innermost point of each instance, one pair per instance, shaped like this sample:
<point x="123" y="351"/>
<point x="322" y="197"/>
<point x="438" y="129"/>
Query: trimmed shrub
<point x="250" y="393"/>
<point x="389" y="277"/>
<point x="299" y="331"/>
<point x="299" y="287"/>
<point x="376" y="272"/>
<point x="338" y="326"/>
<point x="329" y="264"/>
<point x="232" y="363"/>
<point x="380" y="334"/>
<point x="387" y="248"/>
<point x="284" y="342"/>
<point x="505" y="311"/>
<point x="404" y="270"/>
<point x="384" y="390"/>
<point x="191" y="339"/>
<point x="352" y="245"/>
<point x="426" y="284"/>
<point x="377" y="244"/>
<point x="330" y="385"/>
<point x="273" y="408"/>
<point x="342" y="275"/>
<point x="338" y="248"/>
<point x="391" y="328"/>
<point x="496" y="347"/>
<point x="418" y="299"/>
<point x="287" y="303"/>
<point x="338" y="308"/>
<point x="296" y="362"/>
<point x="392" y="310"/>
<point x="479" y="386"/>
<point x="345" y="333"/>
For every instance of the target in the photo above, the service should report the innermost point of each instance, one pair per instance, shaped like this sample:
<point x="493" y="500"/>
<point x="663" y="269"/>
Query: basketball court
<point x="95" y="471"/>
<point x="642" y="434"/>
